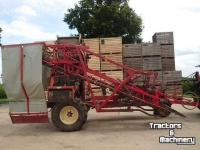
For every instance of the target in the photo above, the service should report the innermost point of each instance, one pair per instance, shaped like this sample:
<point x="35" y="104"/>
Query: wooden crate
<point x="170" y="90"/>
<point x="150" y="49"/>
<point x="111" y="40"/>
<point x="133" y="45"/>
<point x="177" y="75"/>
<point x="163" y="38"/>
<point x="111" y="45"/>
<point x="159" y="78"/>
<point x="93" y="44"/>
<point x="105" y="65"/>
<point x="140" y="80"/>
<point x="172" y="75"/>
<point x="152" y="63"/>
<point x="68" y="40"/>
<point x="94" y="62"/>
<point x="135" y="63"/>
<point x="167" y="50"/>
<point x="114" y="74"/>
<point x="167" y="75"/>
<point x="168" y="64"/>
<point x="96" y="77"/>
<point x="132" y="50"/>
<point x="97" y="92"/>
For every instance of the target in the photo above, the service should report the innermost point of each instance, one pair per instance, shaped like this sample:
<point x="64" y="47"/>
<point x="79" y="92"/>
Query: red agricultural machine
<point x="62" y="70"/>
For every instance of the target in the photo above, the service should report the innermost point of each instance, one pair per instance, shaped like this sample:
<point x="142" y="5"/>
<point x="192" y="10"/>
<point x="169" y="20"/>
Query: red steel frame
<point x="60" y="57"/>
<point x="82" y="67"/>
<point x="78" y="67"/>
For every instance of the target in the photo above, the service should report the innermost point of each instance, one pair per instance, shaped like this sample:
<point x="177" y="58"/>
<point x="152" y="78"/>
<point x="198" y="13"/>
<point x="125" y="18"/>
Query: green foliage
<point x="189" y="85"/>
<point x="105" y="18"/>
<point x="2" y="92"/>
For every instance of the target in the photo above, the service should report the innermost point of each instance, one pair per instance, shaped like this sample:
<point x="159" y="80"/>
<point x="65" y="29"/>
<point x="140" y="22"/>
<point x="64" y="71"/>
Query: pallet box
<point x="151" y="49"/>
<point x="152" y="63"/>
<point x="135" y="63"/>
<point x="110" y="45"/>
<point x="163" y="38"/>
<point x="132" y="50"/>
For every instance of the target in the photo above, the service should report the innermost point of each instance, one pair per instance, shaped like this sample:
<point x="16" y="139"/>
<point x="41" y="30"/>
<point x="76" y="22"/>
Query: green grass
<point x="3" y="100"/>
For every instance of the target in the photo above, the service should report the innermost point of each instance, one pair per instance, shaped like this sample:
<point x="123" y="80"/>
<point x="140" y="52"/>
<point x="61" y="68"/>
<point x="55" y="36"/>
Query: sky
<point x="39" y="20"/>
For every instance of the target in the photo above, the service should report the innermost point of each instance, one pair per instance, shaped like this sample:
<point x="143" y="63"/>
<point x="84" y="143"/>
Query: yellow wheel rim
<point x="69" y="115"/>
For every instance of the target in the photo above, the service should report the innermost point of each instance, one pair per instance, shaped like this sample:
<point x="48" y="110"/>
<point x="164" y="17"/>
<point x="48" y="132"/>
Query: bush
<point x="2" y="92"/>
<point x="190" y="86"/>
<point x="187" y="86"/>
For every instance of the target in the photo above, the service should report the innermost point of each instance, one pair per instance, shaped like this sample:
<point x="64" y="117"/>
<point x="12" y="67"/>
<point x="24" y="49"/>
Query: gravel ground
<point x="115" y="131"/>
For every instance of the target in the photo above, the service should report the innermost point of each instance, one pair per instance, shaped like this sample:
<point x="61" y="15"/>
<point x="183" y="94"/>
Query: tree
<point x="105" y="18"/>
<point x="0" y="35"/>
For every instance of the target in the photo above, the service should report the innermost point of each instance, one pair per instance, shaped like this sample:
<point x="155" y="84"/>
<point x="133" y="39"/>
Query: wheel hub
<point x="69" y="115"/>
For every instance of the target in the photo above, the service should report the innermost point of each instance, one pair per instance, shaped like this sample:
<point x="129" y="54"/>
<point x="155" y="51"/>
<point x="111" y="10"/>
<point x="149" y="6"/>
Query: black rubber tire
<point x="83" y="106"/>
<point x="82" y="116"/>
<point x="156" y="112"/>
<point x="88" y="108"/>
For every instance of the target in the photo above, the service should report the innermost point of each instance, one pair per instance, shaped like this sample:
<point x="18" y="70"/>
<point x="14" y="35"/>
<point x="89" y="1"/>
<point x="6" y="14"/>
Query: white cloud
<point x="181" y="17"/>
<point x="25" y="10"/>
<point x="35" y="20"/>
<point x="27" y="30"/>
<point x="187" y="63"/>
<point x="4" y="12"/>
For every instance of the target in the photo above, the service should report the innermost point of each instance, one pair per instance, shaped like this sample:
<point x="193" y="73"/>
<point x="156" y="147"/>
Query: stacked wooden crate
<point x="168" y="64"/>
<point x="152" y="60"/>
<point x="167" y="50"/>
<point x="132" y="56"/>
<point x="151" y="56"/>
<point x="157" y="56"/>
<point x="109" y="48"/>
<point x="152" y="63"/>
<point x="135" y="63"/>
<point x="159" y="78"/>
<point x="151" y="49"/>
<point x="132" y="50"/>
<point x="166" y="41"/>
<point x="172" y="75"/>
<point x="172" y="89"/>
<point x="143" y="56"/>
<point x="168" y="59"/>
<point x="68" y="40"/>
<point x="94" y="62"/>
<point x="169" y="77"/>
<point x="163" y="38"/>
